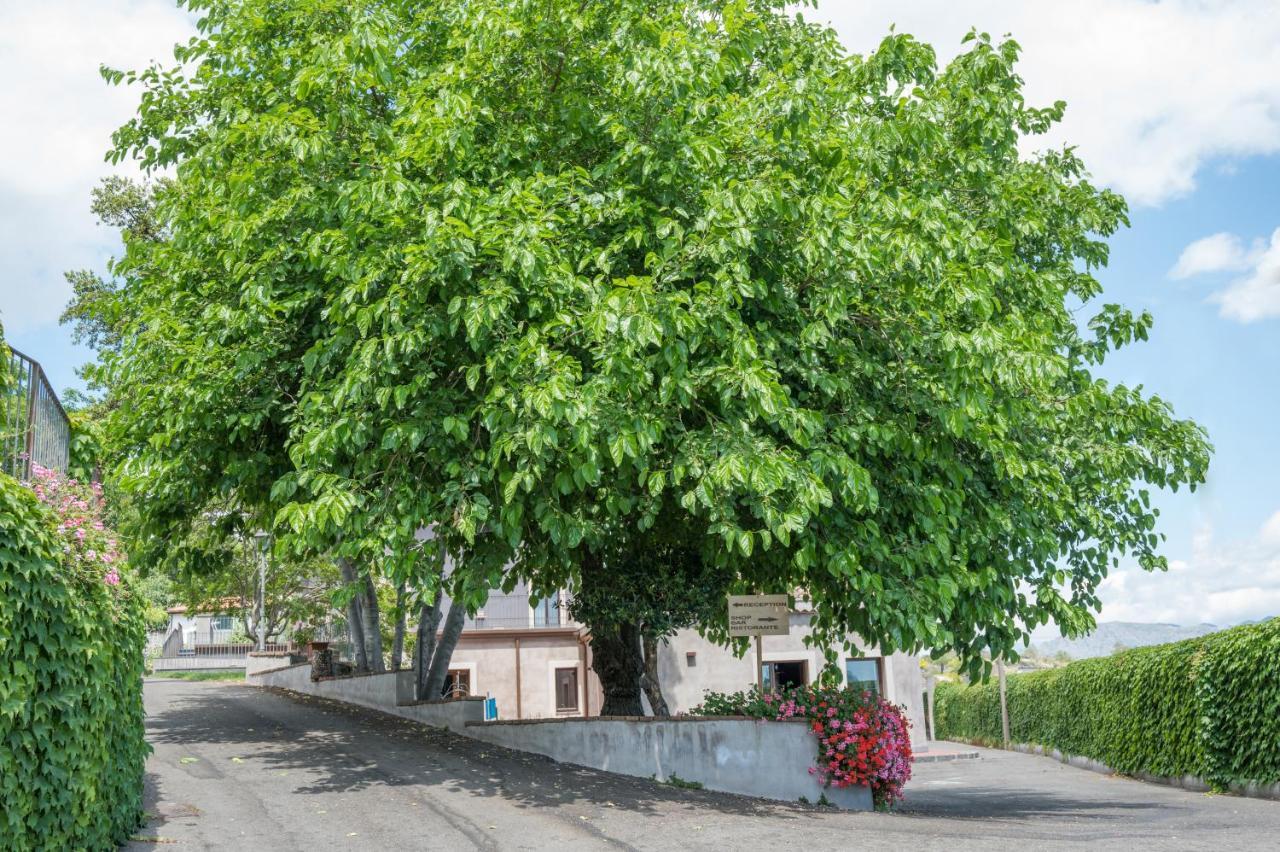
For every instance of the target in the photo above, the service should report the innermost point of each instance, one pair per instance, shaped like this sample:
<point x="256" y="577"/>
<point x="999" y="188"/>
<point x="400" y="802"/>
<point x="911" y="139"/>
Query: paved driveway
<point x="237" y="767"/>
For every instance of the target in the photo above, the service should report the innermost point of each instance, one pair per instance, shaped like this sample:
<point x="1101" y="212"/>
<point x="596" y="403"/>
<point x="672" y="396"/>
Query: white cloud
<point x="1154" y="90"/>
<point x="1257" y="295"/>
<point x="58" y="117"/>
<point x="1214" y="253"/>
<point x="1221" y="583"/>
<point x="1270" y="533"/>
<point x="1251" y="297"/>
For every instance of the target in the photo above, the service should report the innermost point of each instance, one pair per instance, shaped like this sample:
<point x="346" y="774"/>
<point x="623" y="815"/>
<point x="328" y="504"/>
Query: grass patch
<point x="233" y="674"/>
<point x="674" y="780"/>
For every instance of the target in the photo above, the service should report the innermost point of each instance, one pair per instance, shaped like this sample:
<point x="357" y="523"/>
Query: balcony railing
<point x="516" y="611"/>
<point x="34" y="428"/>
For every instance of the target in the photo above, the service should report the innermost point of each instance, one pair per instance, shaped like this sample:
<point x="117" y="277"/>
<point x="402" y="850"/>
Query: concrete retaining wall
<point x="454" y="715"/>
<point x="747" y="756"/>
<point x="390" y="692"/>
<point x="260" y="661"/>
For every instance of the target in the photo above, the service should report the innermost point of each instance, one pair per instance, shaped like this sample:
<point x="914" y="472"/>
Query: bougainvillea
<point x="863" y="740"/>
<point x="72" y="744"/>
<point x="90" y="551"/>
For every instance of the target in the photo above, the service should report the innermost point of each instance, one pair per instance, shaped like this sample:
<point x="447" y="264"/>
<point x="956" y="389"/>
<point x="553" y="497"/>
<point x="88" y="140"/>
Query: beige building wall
<point x="526" y="690"/>
<point x="714" y="668"/>
<point x="518" y="668"/>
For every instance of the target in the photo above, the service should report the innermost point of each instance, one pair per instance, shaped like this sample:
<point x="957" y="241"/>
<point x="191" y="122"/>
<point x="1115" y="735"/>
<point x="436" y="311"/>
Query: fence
<point x="213" y="656"/>
<point x="515" y="610"/>
<point x="34" y="428"/>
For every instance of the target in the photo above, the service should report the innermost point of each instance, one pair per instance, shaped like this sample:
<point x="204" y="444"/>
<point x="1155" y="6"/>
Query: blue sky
<point x="1176" y="104"/>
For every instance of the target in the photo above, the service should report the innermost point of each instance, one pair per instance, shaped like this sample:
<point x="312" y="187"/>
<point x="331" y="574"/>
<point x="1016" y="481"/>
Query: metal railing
<point x="34" y="428"/>
<point x="517" y="611"/>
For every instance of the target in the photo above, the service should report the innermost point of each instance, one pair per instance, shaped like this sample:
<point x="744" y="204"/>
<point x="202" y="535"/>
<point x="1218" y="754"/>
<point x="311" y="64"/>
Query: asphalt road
<point x="237" y="767"/>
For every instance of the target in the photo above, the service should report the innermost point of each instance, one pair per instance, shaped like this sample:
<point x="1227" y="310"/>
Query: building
<point x="689" y="666"/>
<point x="529" y="655"/>
<point x="536" y="662"/>
<point x="187" y="629"/>
<point x="204" y="639"/>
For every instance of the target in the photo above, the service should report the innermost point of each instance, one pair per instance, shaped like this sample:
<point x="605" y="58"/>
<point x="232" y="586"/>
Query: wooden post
<point x="1004" y="703"/>
<point x="931" y="725"/>
<point x="586" y="678"/>
<point x="759" y="665"/>
<point x="518" y="716"/>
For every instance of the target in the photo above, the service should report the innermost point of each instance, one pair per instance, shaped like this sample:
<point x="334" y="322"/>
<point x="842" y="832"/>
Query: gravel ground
<point x="238" y="767"/>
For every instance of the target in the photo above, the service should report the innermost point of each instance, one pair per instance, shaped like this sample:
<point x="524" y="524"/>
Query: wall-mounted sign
<point x="759" y="615"/>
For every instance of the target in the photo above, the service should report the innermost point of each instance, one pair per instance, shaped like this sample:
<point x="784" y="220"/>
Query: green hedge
<point x="71" y="722"/>
<point x="1208" y="707"/>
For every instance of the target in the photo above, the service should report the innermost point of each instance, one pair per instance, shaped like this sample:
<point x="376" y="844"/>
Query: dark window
<point x="863" y="675"/>
<point x="547" y="612"/>
<point x="785" y="675"/>
<point x="457" y="685"/>
<point x="222" y="622"/>
<point x="567" y="689"/>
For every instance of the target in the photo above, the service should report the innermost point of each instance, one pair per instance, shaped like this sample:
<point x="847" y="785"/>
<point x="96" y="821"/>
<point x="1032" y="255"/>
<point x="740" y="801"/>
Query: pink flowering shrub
<point x="72" y="744"/>
<point x="90" y="551"/>
<point x="862" y="739"/>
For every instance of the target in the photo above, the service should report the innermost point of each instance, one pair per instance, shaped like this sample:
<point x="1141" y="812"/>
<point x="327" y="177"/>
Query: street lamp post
<point x="263" y="540"/>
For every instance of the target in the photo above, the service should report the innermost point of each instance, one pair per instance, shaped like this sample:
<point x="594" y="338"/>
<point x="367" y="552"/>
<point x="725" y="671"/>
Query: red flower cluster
<point x="862" y="739"/>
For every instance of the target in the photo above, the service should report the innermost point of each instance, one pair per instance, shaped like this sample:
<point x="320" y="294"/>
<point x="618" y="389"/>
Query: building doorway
<point x="785" y="674"/>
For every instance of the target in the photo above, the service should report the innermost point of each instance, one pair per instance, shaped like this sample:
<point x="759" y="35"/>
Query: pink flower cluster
<point x="862" y="739"/>
<point x="89" y="547"/>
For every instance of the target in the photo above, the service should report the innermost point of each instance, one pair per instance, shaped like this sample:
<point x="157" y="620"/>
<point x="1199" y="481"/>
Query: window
<point x="785" y="674"/>
<point x="547" y="612"/>
<point x="221" y="622"/>
<point x="863" y="674"/>
<point x="566" y="689"/>
<point x="457" y="684"/>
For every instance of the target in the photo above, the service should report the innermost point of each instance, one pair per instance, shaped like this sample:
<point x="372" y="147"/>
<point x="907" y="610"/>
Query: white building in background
<point x="536" y="662"/>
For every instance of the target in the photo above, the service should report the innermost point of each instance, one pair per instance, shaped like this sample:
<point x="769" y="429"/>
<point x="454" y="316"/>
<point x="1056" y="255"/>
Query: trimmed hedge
<point x="71" y="720"/>
<point x="1208" y="707"/>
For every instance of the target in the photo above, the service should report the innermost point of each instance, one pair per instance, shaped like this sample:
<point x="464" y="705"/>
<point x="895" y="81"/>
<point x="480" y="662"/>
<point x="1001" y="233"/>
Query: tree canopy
<point x="546" y="275"/>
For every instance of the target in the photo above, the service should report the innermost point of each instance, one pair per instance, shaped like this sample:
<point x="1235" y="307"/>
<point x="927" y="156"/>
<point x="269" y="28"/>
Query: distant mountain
<point x="1127" y="634"/>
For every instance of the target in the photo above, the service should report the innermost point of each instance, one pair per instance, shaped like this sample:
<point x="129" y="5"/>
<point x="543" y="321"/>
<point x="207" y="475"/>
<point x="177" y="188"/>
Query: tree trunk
<point x="355" y="623"/>
<point x="649" y="680"/>
<point x="373" y="627"/>
<point x="615" y="658"/>
<point x="439" y="671"/>
<point x="402" y="621"/>
<point x="615" y="651"/>
<point x="424" y="648"/>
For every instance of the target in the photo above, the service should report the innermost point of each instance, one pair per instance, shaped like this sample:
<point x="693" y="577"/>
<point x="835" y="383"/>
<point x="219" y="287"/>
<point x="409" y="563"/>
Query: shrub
<point x="862" y="739"/>
<point x="71" y="638"/>
<point x="1208" y="707"/>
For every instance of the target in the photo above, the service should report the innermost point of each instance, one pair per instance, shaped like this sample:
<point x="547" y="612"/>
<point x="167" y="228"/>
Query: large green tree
<point x="544" y="275"/>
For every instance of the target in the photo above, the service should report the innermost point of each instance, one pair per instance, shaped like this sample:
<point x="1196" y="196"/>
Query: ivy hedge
<point x="71" y="719"/>
<point x="1208" y="707"/>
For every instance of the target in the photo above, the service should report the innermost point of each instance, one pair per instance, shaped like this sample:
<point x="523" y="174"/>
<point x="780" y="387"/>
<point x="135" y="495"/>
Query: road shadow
<point x="344" y="748"/>
<point x="986" y="802"/>
<point x="157" y="812"/>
